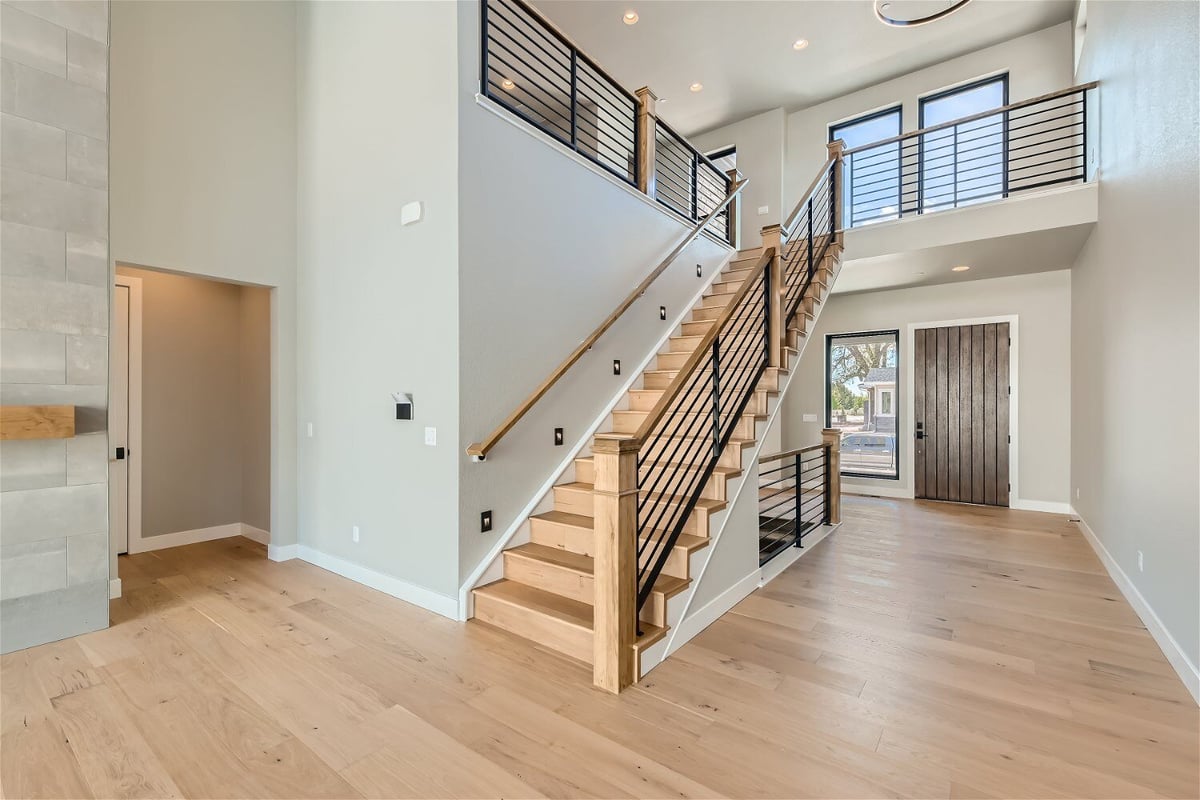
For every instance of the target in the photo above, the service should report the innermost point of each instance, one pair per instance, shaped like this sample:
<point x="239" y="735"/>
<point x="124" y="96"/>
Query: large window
<point x="966" y="163"/>
<point x="873" y="176"/>
<point x="861" y="401"/>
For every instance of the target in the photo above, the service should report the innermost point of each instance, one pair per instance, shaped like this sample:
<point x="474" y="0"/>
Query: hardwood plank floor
<point x="923" y="650"/>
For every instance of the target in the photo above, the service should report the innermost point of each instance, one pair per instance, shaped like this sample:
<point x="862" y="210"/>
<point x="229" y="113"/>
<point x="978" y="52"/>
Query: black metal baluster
<point x="810" y="238"/>
<point x="575" y="100"/>
<point x="796" y="482"/>
<point x="716" y="396"/>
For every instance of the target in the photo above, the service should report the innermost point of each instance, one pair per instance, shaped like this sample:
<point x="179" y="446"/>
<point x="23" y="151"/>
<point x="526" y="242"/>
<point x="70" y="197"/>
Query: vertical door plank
<point x="989" y="415"/>
<point x="941" y="439"/>
<point x="918" y="412"/>
<point x="964" y="413"/>
<point x="977" y="414"/>
<point x="952" y="416"/>
<point x="931" y="413"/>
<point x="1002" y="401"/>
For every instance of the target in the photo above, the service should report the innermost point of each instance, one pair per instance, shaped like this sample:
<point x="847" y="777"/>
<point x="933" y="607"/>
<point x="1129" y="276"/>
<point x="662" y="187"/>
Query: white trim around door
<point x="133" y="437"/>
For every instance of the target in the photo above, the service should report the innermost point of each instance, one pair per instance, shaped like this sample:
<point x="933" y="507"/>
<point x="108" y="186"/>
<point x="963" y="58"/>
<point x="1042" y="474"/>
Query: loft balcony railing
<point x="531" y="69"/>
<point x="1020" y="147"/>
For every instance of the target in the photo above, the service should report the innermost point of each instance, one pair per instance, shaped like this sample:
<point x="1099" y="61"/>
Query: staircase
<point x="547" y="594"/>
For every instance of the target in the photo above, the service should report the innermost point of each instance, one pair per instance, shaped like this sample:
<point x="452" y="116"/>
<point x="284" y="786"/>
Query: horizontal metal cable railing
<point x="994" y="154"/>
<point x="687" y="181"/>
<point x="681" y="440"/>
<point x="806" y="237"/>
<point x="793" y="498"/>
<point x="538" y="74"/>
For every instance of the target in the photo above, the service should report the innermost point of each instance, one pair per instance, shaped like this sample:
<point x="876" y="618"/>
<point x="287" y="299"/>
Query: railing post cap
<point x="615" y="443"/>
<point x="835" y="148"/>
<point x="645" y="92"/>
<point x="772" y="228"/>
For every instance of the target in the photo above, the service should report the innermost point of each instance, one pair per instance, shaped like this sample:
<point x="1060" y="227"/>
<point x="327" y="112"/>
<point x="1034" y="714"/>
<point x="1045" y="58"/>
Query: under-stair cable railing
<point x="1020" y="147"/>
<point x="535" y="72"/>
<point x="479" y="450"/>
<point x="793" y="497"/>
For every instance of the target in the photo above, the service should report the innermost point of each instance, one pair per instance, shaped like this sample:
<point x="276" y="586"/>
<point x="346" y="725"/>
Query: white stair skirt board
<point x="1178" y="659"/>
<point x="491" y="567"/>
<point x="388" y="584"/>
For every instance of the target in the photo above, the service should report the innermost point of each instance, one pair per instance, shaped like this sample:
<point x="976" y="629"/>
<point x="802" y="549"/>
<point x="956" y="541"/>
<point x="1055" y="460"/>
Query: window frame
<point x="848" y="201"/>
<point x="941" y="94"/>
<point x="829" y="342"/>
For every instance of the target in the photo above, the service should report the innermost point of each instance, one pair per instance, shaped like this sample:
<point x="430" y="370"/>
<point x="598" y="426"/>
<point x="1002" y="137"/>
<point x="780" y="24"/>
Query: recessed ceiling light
<point x="630" y="18"/>
<point x="960" y="268"/>
<point x="695" y="87"/>
<point x="507" y="84"/>
<point x="800" y="44"/>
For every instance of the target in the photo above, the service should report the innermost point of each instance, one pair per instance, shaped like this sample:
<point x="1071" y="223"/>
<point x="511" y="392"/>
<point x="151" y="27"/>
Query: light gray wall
<point x="760" y="157"/>
<point x="1134" y="457"/>
<point x="204" y="170"/>
<point x="204" y="403"/>
<point x="378" y="129"/>
<point x="54" y="317"/>
<point x="1042" y="303"/>
<point x="547" y="249"/>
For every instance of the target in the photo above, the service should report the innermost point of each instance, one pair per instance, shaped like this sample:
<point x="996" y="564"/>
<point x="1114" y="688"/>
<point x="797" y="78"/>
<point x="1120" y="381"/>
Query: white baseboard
<point x="1183" y="666"/>
<point x="408" y="592"/>
<point x="114" y="588"/>
<point x="180" y="538"/>
<point x="283" y="552"/>
<point x="707" y="614"/>
<point x="256" y="534"/>
<point x="884" y="489"/>
<point x="1045" y="506"/>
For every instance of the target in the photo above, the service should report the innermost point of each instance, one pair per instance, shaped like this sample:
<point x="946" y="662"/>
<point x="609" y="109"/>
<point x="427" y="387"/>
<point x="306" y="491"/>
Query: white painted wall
<point x="1134" y="299"/>
<point x="378" y="128"/>
<point x="1037" y="63"/>
<point x="760" y="150"/>
<point x="1042" y="302"/>
<point x="203" y="163"/>
<point x="547" y="249"/>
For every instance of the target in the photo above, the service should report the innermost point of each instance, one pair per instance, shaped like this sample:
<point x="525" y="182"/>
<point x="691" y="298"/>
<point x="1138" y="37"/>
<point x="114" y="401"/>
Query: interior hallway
<point x="923" y="650"/>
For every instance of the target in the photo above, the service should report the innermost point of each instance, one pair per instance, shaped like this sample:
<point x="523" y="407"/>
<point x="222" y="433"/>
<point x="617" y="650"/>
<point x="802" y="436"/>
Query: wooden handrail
<point x="701" y="351"/>
<point x="991" y="112"/>
<point x="481" y="449"/>
<point x="792" y="453"/>
<point x="821" y="173"/>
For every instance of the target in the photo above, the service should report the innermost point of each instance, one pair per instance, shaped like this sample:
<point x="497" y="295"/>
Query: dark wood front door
<point x="960" y="398"/>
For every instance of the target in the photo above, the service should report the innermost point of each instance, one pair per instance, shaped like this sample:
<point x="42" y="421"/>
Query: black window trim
<point x="895" y="333"/>
<point x="942" y="94"/>
<point x="898" y="110"/>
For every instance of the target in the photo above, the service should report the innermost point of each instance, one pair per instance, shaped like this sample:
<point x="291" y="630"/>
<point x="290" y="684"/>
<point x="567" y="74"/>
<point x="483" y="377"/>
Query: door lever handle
<point x="120" y="454"/>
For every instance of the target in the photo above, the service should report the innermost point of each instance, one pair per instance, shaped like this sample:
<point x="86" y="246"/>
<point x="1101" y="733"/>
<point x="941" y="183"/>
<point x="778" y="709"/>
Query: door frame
<point x="910" y="412"/>
<point x="134" y="443"/>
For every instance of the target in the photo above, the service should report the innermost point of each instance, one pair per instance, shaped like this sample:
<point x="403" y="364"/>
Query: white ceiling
<point x="741" y="50"/>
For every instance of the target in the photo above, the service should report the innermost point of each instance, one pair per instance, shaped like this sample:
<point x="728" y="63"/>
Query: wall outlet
<point x="764" y="210"/>
<point x="809" y="418"/>
<point x="354" y="533"/>
<point x="485" y="521"/>
<point x="1141" y="563"/>
<point x="431" y="437"/>
<point x="310" y="430"/>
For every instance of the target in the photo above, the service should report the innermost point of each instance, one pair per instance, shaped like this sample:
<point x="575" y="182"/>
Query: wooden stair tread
<point x="585" y="565"/>
<point x="687" y="541"/>
<point x="711" y="506"/>
<point x="728" y="472"/>
<point x="528" y="597"/>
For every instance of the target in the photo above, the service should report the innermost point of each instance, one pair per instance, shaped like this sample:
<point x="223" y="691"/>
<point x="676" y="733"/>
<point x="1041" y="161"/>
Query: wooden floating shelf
<point x="37" y="422"/>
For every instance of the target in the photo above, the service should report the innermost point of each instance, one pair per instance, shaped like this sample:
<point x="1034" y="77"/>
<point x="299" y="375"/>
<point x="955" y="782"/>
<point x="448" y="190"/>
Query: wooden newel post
<point x="646" y="117"/>
<point x="832" y="439"/>
<point x="839" y="171"/>
<point x="614" y="459"/>
<point x="735" y="214"/>
<point x="772" y="236"/>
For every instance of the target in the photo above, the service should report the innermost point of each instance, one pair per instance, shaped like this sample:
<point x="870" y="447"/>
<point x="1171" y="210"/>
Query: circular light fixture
<point x="695" y="87"/>
<point x="507" y="84"/>
<point x="630" y="18"/>
<point x="960" y="268"/>
<point x="800" y="44"/>
<point x="885" y="14"/>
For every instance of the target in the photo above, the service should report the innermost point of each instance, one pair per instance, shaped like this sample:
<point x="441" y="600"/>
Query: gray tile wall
<point x="54" y="315"/>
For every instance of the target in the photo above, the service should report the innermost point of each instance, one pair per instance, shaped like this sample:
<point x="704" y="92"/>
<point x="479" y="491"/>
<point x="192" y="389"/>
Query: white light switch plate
<point x="431" y="437"/>
<point x="810" y="417"/>
<point x="411" y="212"/>
<point x="763" y="210"/>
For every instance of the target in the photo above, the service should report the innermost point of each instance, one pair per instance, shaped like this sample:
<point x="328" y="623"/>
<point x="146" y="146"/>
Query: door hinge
<point x="1010" y="390"/>
<point x="1010" y="487"/>
<point x="1010" y="440"/>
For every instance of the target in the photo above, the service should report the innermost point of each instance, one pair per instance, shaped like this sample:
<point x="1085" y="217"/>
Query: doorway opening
<point x="190" y="411"/>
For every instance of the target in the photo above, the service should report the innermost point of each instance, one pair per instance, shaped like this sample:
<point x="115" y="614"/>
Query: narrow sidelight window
<point x="861" y="401"/>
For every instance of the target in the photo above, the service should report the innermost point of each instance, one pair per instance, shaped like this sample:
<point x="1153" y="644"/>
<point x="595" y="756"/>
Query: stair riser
<point x="676" y="360"/>
<point x="580" y="540"/>
<point x="697" y="328"/>
<point x="645" y="400"/>
<point x="731" y="456"/>
<point x="684" y="344"/>
<point x="727" y="285"/>
<point x="582" y="502"/>
<point x="716" y="488"/>
<point x="568" y="639"/>
<point x="572" y="584"/>
<point x="702" y="314"/>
